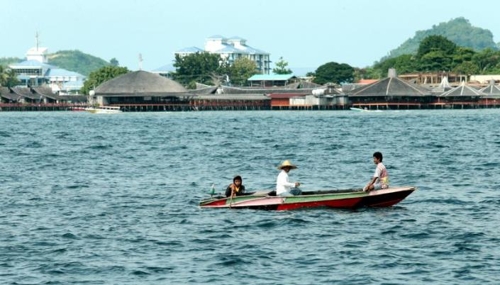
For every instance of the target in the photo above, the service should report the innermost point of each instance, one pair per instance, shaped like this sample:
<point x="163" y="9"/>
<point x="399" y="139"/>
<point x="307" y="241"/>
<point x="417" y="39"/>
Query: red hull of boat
<point x="344" y="203"/>
<point x="347" y="199"/>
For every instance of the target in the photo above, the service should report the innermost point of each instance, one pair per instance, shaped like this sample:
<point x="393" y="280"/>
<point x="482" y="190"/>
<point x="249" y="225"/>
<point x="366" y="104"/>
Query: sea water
<point x="113" y="199"/>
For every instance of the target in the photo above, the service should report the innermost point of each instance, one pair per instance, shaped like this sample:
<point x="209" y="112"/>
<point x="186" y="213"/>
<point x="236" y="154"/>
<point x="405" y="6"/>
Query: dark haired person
<point x="380" y="179"/>
<point x="236" y="188"/>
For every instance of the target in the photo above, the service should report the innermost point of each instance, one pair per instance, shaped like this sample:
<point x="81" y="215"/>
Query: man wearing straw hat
<point x="283" y="186"/>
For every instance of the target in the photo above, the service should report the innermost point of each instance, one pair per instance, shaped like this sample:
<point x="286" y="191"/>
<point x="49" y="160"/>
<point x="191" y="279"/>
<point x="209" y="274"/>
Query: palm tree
<point x="8" y="77"/>
<point x="4" y="76"/>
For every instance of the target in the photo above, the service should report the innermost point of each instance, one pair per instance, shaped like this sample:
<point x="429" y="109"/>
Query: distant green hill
<point x="458" y="30"/>
<point x="75" y="60"/>
<point x="72" y="60"/>
<point x="4" y="61"/>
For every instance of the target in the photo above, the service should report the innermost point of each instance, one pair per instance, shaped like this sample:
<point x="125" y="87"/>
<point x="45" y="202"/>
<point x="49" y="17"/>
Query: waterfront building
<point x="390" y="93"/>
<point x="443" y="86"/>
<point x="430" y="78"/>
<point x="492" y="95"/>
<point x="252" y="101"/>
<point x="485" y="79"/>
<point x="491" y="90"/>
<point x="272" y="80"/>
<point x="462" y="96"/>
<point x="165" y="70"/>
<point x="141" y="90"/>
<point x="35" y="71"/>
<point x="29" y="95"/>
<point x="231" y="49"/>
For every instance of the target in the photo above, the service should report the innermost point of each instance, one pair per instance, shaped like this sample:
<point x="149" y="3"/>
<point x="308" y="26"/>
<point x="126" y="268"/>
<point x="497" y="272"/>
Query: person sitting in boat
<point x="283" y="185"/>
<point x="380" y="179"/>
<point x="236" y="188"/>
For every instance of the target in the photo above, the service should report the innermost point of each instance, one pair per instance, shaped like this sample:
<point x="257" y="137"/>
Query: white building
<point x="35" y="71"/>
<point x="38" y="54"/>
<point x="231" y="49"/>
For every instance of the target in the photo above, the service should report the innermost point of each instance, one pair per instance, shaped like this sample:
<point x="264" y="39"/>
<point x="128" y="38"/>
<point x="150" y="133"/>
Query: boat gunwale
<point x="340" y="194"/>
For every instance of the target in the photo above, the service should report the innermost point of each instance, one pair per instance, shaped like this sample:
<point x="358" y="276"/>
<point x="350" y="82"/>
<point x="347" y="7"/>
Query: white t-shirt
<point x="282" y="183"/>
<point x="381" y="174"/>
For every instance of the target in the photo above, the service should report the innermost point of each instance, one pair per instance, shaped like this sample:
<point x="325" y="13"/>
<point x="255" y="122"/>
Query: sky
<point x="306" y="34"/>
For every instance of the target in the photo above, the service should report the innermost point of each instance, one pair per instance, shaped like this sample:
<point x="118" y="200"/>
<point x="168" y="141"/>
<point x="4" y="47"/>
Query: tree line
<point x="435" y="54"/>
<point x="438" y="54"/>
<point x="213" y="69"/>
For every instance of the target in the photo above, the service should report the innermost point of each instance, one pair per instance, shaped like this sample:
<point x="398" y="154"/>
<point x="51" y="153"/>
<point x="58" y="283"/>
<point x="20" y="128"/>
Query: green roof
<point x="271" y="77"/>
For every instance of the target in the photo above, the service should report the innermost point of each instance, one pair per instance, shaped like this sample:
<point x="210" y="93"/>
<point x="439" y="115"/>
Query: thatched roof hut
<point x="491" y="90"/>
<point x="390" y="86"/>
<point x="462" y="91"/>
<point x="140" y="83"/>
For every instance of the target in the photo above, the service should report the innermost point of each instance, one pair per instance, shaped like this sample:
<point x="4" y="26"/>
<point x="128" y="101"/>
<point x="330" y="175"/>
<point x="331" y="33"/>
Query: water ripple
<point x="114" y="199"/>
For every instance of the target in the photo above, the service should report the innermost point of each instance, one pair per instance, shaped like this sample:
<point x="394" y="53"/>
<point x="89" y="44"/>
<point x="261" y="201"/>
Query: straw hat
<point x="287" y="163"/>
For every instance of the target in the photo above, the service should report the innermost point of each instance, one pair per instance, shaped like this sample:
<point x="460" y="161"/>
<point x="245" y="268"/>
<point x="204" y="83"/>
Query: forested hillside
<point x="5" y="61"/>
<point x="72" y="60"/>
<point x="458" y="30"/>
<point x="77" y="61"/>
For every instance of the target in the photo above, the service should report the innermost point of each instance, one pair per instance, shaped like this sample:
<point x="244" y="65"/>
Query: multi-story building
<point x="231" y="49"/>
<point x="35" y="71"/>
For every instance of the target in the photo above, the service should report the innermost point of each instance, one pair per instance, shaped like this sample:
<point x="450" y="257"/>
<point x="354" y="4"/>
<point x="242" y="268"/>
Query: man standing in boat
<point x="283" y="185"/>
<point x="380" y="179"/>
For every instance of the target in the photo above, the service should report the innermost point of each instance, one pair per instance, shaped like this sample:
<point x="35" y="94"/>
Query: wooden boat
<point x="349" y="199"/>
<point x="104" y="110"/>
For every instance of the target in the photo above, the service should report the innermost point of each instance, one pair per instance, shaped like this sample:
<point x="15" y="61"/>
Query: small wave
<point x="168" y="243"/>
<point x="230" y="260"/>
<point x="140" y="272"/>
<point x="94" y="236"/>
<point x="77" y="186"/>
<point x="69" y="236"/>
<point x="450" y="201"/>
<point x="417" y="236"/>
<point x="56" y="272"/>
<point x="33" y="144"/>
<point x="491" y="201"/>
<point x="157" y="269"/>
<point x="491" y="164"/>
<point x="60" y="250"/>
<point x="4" y="134"/>
<point x="100" y="147"/>
<point x="44" y="243"/>
<point x="334" y="147"/>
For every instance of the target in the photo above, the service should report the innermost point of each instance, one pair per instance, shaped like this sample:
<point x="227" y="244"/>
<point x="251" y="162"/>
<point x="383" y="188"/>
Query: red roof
<point x="367" y="81"/>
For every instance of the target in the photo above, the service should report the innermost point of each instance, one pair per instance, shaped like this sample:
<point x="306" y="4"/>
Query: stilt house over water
<point x="491" y="96"/>
<point x="142" y="91"/>
<point x="390" y="93"/>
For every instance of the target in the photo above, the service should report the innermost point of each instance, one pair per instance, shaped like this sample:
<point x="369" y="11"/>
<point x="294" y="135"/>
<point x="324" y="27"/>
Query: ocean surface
<point x="113" y="199"/>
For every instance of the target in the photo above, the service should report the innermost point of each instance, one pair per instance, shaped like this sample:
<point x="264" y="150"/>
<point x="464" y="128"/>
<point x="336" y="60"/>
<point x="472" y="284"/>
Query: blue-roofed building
<point x="231" y="49"/>
<point x="165" y="71"/>
<point x="35" y="71"/>
<point x="189" y="50"/>
<point x="31" y="72"/>
<point x="269" y="80"/>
